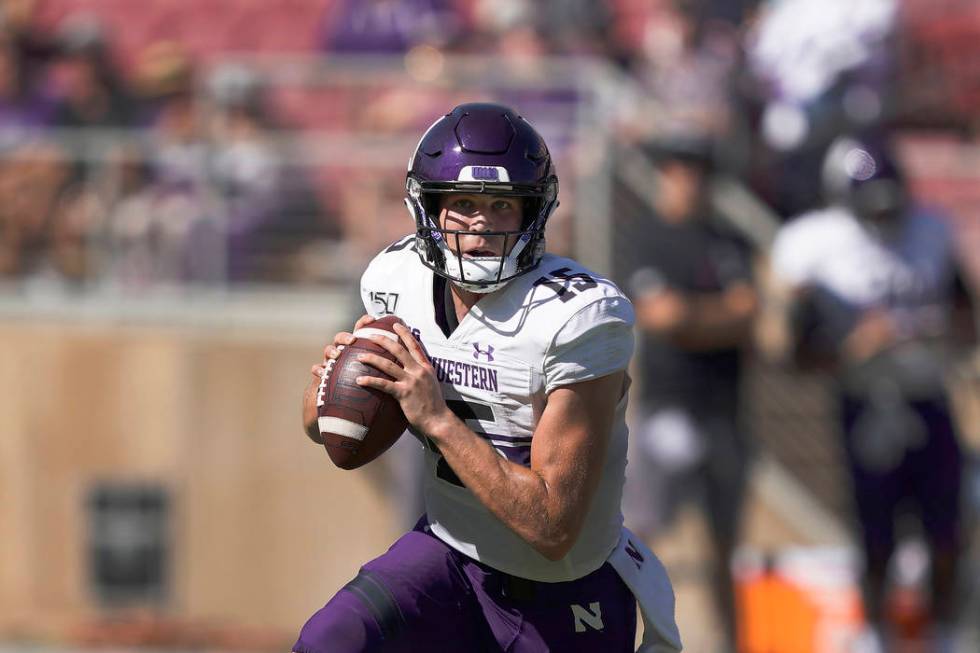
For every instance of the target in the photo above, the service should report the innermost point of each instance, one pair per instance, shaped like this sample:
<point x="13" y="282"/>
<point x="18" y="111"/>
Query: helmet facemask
<point x="439" y="247"/>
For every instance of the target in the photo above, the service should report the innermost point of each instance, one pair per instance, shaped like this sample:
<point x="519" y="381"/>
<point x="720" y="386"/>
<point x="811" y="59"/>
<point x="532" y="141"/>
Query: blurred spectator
<point x="577" y="27"/>
<point x="695" y="301"/>
<point x="23" y="106"/>
<point x="163" y="73"/>
<point x="873" y="294"/>
<point x="270" y="207"/>
<point x="32" y="170"/>
<point x="92" y="91"/>
<point x="388" y="26"/>
<point x="166" y="225"/>
<point x="684" y="75"/>
<point x="30" y="181"/>
<point x="818" y="69"/>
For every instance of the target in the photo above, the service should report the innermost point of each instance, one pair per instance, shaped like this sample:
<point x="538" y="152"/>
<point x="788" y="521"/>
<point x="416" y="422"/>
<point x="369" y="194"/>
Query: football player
<point x="513" y="377"/>
<point x="873" y="294"/>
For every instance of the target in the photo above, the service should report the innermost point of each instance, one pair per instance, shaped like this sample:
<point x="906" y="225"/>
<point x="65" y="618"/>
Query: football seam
<point x="322" y="388"/>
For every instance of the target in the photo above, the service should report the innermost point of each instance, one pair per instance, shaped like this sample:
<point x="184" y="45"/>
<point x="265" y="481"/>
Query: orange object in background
<point x="799" y="601"/>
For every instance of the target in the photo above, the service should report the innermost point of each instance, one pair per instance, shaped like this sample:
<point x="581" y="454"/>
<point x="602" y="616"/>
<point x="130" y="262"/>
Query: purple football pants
<point x="423" y="595"/>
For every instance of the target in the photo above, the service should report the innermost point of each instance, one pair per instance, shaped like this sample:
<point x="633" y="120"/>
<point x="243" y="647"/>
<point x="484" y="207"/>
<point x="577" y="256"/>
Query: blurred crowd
<point x="143" y="174"/>
<point x="132" y="154"/>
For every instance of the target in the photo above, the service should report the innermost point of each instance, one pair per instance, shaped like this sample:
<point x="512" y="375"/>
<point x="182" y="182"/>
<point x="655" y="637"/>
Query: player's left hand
<point x="415" y="385"/>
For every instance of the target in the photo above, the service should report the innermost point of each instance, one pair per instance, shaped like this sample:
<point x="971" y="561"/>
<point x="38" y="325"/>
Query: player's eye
<point x="503" y="205"/>
<point x="463" y="205"/>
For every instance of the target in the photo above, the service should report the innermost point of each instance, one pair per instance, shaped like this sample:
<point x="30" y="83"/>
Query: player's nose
<point x="479" y="222"/>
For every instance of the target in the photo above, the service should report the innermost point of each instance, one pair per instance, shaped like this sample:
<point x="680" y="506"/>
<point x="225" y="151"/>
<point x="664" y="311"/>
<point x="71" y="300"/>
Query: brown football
<point x="358" y="424"/>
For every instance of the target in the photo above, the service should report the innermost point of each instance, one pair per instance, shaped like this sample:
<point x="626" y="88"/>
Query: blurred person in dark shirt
<point x="93" y="92"/>
<point x="90" y="94"/>
<point x="24" y="106"/>
<point x="871" y="291"/>
<point x="695" y="302"/>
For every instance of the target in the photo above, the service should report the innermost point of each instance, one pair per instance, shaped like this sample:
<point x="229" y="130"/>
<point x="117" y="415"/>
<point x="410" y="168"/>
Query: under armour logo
<point x="591" y="617"/>
<point x="479" y="352"/>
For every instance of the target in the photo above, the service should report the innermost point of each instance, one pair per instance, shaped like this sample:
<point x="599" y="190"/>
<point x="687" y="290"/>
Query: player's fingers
<point x="384" y="385"/>
<point x="364" y="320"/>
<point x="344" y="338"/>
<point x="382" y="364"/>
<point x="331" y="351"/>
<point x="317" y="370"/>
<point x="413" y="346"/>
<point x="395" y="349"/>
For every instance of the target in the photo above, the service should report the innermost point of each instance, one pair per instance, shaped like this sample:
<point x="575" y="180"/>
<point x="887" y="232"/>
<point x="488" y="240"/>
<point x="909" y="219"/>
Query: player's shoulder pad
<point x="561" y="287"/>
<point x="389" y="276"/>
<point x="390" y="259"/>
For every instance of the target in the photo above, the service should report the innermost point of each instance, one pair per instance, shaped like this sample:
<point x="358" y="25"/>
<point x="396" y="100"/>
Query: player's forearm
<point x="517" y="495"/>
<point x="719" y="320"/>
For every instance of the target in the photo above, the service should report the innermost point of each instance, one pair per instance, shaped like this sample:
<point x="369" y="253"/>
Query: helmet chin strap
<point x="479" y="274"/>
<point x="479" y="290"/>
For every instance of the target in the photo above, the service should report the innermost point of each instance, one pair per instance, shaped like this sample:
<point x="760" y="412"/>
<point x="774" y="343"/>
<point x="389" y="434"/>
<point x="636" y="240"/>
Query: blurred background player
<point x="695" y="302"/>
<point x="876" y="297"/>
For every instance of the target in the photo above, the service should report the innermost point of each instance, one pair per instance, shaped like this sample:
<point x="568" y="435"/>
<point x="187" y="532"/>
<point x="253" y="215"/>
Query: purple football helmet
<point x="481" y="148"/>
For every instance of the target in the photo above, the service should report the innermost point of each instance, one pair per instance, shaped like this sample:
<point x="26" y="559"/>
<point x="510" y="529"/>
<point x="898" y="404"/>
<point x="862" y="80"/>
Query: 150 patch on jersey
<point x="384" y="303"/>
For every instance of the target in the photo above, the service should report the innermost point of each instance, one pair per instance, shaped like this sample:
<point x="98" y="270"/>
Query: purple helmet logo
<point x="486" y="173"/>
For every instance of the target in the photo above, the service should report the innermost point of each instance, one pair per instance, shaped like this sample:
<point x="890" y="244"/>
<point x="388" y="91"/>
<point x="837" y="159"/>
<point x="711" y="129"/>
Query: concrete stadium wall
<point x="265" y="528"/>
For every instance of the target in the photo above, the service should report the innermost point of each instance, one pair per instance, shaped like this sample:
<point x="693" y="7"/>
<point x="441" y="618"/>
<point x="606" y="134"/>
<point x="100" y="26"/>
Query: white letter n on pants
<point x="591" y="617"/>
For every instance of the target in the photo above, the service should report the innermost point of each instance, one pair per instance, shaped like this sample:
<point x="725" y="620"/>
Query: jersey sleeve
<point x="369" y="290"/>
<point x="377" y="292"/>
<point x="597" y="340"/>
<point x="367" y="295"/>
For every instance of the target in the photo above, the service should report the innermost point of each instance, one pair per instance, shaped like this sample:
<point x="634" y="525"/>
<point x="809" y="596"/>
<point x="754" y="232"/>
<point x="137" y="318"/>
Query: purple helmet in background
<point x="862" y="174"/>
<point x="481" y="148"/>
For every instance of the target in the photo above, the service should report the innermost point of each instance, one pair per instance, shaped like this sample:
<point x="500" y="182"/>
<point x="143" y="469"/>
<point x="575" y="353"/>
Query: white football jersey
<point x="554" y="326"/>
